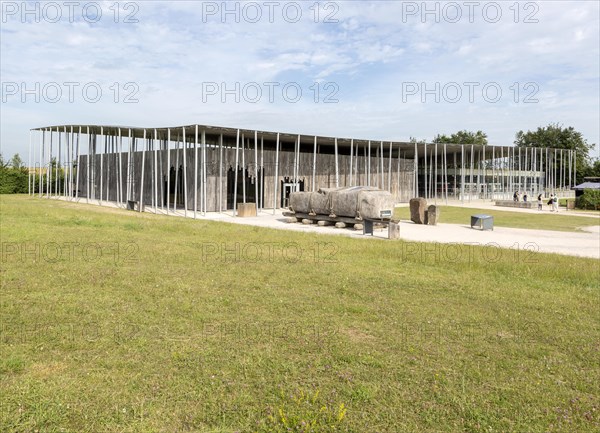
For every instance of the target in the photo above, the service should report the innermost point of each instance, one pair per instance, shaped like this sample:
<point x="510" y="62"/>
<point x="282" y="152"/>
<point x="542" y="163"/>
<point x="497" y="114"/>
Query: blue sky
<point x="367" y="67"/>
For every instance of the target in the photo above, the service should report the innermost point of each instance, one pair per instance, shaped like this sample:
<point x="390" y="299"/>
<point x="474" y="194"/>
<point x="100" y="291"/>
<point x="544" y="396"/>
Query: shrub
<point x="589" y="200"/>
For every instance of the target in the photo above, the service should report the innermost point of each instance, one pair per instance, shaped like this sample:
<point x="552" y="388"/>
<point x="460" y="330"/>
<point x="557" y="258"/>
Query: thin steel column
<point x="49" y="168"/>
<point x="276" y="180"/>
<point x="416" y="172"/>
<point x="243" y="169"/>
<point x="196" y="172"/>
<point x="220" y="173"/>
<point x="120" y="183"/>
<point x="185" y="190"/>
<point x="435" y="170"/>
<point x="204" y="174"/>
<point x="471" y="173"/>
<point x="128" y="181"/>
<point x="390" y="169"/>
<point x="29" y="165"/>
<point x="425" y="180"/>
<point x="369" y="164"/>
<point x="262" y="172"/>
<point x="58" y="153"/>
<point x="41" y="147"/>
<point x="168" y="168"/>
<point x="237" y="149"/>
<point x="337" y="174"/>
<point x="256" y="204"/>
<point x="445" y="174"/>
<point x="102" y="163"/>
<point x="314" y="167"/>
<point x="142" y="175"/>
<point x="155" y="170"/>
<point x="78" y="165"/>
<point x="381" y="165"/>
<point x="462" y="173"/>
<point x="89" y="158"/>
<point x="351" y="154"/>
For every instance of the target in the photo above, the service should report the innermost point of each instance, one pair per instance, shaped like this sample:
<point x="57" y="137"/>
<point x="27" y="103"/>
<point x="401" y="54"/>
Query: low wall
<point x="519" y="204"/>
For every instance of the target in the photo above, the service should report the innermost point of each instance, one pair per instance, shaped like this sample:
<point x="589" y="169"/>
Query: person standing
<point x="555" y="202"/>
<point x="540" y="204"/>
<point x="550" y="202"/>
<point x="525" y="197"/>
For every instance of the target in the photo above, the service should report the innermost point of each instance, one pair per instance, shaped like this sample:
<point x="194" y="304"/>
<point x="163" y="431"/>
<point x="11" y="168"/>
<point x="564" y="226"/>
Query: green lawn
<point x="115" y="321"/>
<point x="545" y="220"/>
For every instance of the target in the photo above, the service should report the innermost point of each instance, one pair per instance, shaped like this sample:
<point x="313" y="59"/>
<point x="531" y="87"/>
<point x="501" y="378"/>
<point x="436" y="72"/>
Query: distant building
<point x="590" y="182"/>
<point x="202" y="168"/>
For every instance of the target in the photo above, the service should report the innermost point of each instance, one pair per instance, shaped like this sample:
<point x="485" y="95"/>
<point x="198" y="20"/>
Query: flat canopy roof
<point x="407" y="148"/>
<point x="587" y="185"/>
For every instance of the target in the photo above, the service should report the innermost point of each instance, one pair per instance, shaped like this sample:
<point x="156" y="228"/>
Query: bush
<point x="13" y="180"/>
<point x="589" y="200"/>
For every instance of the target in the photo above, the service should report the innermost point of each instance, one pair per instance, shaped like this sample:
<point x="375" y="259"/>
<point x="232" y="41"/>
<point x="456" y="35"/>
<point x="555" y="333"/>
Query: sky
<point x="381" y="70"/>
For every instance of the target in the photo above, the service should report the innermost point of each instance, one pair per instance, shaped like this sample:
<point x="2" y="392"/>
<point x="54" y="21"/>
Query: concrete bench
<point x="517" y="204"/>
<point x="483" y="221"/>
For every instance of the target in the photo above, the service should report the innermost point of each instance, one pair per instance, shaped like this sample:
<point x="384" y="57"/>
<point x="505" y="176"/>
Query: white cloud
<point x="369" y="54"/>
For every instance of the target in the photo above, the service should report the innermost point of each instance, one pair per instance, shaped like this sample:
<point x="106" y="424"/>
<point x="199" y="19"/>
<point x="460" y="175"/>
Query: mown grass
<point x="169" y="329"/>
<point x="544" y="220"/>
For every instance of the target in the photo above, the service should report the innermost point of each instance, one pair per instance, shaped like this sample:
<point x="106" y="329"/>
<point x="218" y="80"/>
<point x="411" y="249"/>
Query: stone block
<point x="246" y="209"/>
<point x="417" y="210"/>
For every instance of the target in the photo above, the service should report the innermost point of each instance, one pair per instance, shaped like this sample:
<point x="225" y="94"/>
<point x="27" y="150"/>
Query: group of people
<point x="552" y="202"/>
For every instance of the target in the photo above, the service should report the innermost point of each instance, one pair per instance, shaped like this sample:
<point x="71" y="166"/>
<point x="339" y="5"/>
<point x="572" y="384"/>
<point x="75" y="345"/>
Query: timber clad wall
<point x="400" y="183"/>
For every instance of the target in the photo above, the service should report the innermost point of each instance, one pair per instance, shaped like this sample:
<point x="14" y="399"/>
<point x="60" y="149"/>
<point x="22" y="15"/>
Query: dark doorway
<point x="172" y="186"/>
<point x="252" y="186"/>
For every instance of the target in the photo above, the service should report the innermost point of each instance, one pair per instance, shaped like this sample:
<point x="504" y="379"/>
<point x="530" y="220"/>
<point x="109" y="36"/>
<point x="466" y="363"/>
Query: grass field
<point x="115" y="321"/>
<point x="539" y="221"/>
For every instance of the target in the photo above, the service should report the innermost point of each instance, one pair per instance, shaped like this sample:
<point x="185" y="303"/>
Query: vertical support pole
<point x="416" y="171"/>
<point x="154" y="141"/>
<point x="369" y="164"/>
<point x="256" y="171"/>
<point x="120" y="171"/>
<point x="381" y="165"/>
<point x="425" y="174"/>
<point x="41" y="147"/>
<point x="102" y="163"/>
<point x="168" y="168"/>
<point x="56" y="171"/>
<point x="141" y="201"/>
<point x="471" y="174"/>
<point x="196" y="172"/>
<point x="67" y="164"/>
<point x="435" y="171"/>
<point x="337" y="173"/>
<point x="262" y="172"/>
<point x="204" y="173"/>
<point x="220" y="173"/>
<point x="276" y="178"/>
<point x="89" y="161"/>
<point x="462" y="173"/>
<point x="237" y="149"/>
<point x="351" y="154"/>
<point x="128" y="181"/>
<point x="49" y="168"/>
<point x="314" y="166"/>
<point x="29" y="165"/>
<point x="445" y="173"/>
<point x="389" y="186"/>
<point x="78" y="165"/>
<point x="185" y="190"/>
<point x="243" y="169"/>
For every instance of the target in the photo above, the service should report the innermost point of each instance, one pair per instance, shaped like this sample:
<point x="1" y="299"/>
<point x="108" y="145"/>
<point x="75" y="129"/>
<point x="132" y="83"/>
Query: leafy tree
<point x="463" y="137"/>
<point x="16" y="162"/>
<point x="558" y="137"/>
